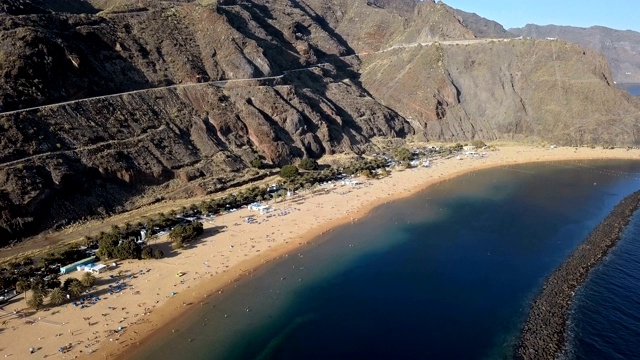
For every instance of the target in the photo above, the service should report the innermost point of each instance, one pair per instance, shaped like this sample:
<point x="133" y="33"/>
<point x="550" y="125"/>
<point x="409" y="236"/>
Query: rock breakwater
<point x="544" y="332"/>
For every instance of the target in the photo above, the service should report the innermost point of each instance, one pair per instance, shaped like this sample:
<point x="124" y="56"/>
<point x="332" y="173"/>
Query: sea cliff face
<point x="132" y="102"/>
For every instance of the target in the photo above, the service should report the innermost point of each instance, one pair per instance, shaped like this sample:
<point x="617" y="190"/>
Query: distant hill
<point x="621" y="47"/>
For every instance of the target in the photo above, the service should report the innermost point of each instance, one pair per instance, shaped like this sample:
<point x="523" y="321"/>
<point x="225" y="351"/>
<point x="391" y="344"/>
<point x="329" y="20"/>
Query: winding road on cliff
<point x="222" y="83"/>
<point x="217" y="83"/>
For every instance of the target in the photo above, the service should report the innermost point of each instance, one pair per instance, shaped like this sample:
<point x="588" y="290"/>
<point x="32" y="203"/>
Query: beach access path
<point x="138" y="297"/>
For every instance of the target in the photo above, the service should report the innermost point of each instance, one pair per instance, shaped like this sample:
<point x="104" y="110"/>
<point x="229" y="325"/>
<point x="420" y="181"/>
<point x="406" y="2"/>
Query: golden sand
<point x="230" y="248"/>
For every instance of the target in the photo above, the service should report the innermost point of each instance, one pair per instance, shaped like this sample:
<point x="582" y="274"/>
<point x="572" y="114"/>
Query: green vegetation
<point x="256" y="163"/>
<point x="36" y="301"/>
<point x="147" y="252"/>
<point x="88" y="280"/>
<point x="308" y="164"/>
<point x="289" y="171"/>
<point x="182" y="234"/>
<point x="402" y="154"/>
<point x="57" y="297"/>
<point x="74" y="288"/>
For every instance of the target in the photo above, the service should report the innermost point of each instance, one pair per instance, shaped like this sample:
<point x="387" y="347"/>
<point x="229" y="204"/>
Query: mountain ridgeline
<point x="619" y="46"/>
<point x="107" y="105"/>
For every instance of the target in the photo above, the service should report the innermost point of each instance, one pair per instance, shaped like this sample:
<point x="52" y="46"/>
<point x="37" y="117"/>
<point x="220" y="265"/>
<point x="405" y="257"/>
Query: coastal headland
<point x="544" y="332"/>
<point x="150" y="295"/>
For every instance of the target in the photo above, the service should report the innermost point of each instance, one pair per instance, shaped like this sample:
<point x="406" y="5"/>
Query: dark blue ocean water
<point x="446" y="274"/>
<point x="605" y="318"/>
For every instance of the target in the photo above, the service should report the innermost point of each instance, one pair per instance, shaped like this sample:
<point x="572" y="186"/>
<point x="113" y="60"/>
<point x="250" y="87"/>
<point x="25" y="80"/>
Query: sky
<point x="615" y="14"/>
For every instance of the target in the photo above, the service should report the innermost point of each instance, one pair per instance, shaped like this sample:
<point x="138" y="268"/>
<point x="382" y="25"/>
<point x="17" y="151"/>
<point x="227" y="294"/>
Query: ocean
<point x="446" y="274"/>
<point x="605" y="317"/>
<point x="632" y="88"/>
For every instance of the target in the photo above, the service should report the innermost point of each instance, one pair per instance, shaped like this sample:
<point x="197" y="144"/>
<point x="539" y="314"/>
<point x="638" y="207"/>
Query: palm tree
<point x="36" y="301"/>
<point x="56" y="297"/>
<point x="88" y="280"/>
<point x="76" y="288"/>
<point x="23" y="286"/>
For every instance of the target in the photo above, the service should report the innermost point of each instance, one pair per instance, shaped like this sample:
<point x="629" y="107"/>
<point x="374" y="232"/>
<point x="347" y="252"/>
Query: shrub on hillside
<point x="289" y="171"/>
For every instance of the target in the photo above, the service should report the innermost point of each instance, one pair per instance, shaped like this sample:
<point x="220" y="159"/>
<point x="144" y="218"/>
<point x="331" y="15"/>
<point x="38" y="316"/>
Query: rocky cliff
<point x="109" y="104"/>
<point x="619" y="46"/>
<point x="522" y="90"/>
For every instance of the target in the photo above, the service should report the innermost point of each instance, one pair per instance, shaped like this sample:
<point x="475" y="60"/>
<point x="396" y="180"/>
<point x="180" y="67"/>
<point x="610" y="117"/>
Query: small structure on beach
<point x="71" y="267"/>
<point x="98" y="268"/>
<point x="262" y="209"/>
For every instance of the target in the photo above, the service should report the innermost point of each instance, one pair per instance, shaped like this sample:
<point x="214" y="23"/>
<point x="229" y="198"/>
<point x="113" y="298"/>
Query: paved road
<point x="218" y="83"/>
<point x="222" y="83"/>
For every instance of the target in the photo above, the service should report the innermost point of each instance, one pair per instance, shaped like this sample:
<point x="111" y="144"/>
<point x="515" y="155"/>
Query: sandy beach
<point x="138" y="297"/>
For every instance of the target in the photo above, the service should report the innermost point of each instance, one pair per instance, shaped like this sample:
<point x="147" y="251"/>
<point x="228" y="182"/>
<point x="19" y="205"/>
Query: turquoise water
<point x="446" y="274"/>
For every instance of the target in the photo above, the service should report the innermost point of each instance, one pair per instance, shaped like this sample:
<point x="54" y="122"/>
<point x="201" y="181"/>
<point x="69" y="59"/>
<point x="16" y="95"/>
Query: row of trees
<point x="72" y="287"/>
<point x="111" y="247"/>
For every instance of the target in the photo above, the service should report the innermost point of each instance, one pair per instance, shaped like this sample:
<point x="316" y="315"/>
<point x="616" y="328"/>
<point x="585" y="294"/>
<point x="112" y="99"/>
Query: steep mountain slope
<point x="622" y="48"/>
<point x="374" y="25"/>
<point x="517" y="89"/>
<point x="160" y="99"/>
<point x="91" y="157"/>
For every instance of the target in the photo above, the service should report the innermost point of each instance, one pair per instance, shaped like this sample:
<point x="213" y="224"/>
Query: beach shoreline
<point x="238" y="251"/>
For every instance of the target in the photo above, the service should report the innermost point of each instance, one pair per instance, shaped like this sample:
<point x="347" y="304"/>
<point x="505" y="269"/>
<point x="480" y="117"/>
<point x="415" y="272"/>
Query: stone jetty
<point x="544" y="332"/>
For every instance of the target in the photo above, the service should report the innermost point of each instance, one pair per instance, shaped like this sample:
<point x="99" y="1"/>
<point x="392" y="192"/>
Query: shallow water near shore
<point x="448" y="273"/>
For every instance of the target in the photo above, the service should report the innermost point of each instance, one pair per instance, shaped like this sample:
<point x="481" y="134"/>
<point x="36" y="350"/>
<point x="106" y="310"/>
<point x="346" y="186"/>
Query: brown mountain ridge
<point x="103" y="102"/>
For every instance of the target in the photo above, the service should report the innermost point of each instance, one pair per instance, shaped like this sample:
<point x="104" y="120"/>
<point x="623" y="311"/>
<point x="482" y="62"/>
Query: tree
<point x="281" y="194"/>
<point x="289" y="171"/>
<point x="107" y="245"/>
<point x="158" y="254"/>
<point x="308" y="164"/>
<point x="23" y="286"/>
<point x="38" y="285"/>
<point x="128" y="249"/>
<point x="75" y="288"/>
<point x="256" y="163"/>
<point x="402" y="154"/>
<point x="147" y="252"/>
<point x="88" y="280"/>
<point x="186" y="233"/>
<point x="52" y="282"/>
<point x="36" y="300"/>
<point x="56" y="297"/>
<point x="177" y="244"/>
